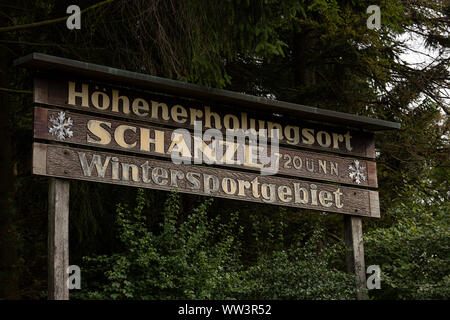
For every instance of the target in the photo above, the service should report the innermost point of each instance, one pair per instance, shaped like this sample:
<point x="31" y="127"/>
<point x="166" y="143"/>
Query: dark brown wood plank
<point x="62" y="65"/>
<point x="295" y="131"/>
<point x="292" y="162"/>
<point x="106" y="167"/>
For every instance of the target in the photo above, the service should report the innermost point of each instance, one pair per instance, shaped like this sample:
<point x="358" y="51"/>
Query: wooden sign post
<point x="58" y="238"/>
<point x="100" y="124"/>
<point x="355" y="253"/>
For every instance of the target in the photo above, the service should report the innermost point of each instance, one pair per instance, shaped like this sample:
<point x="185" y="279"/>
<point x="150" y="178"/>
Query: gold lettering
<point x="178" y="111"/>
<point x="347" y="141"/>
<point x="326" y="198"/>
<point x="230" y="150"/>
<point x="226" y="122"/>
<point x="95" y="127"/>
<point x="313" y="195"/>
<point x="336" y="139"/>
<point x="323" y="166"/>
<point x="308" y="136"/>
<point x="195" y="113"/>
<point x="208" y="115"/>
<point x="159" y="176"/>
<point x="242" y="186"/>
<point x="164" y="110"/>
<point x="194" y="179"/>
<point x="244" y="121"/>
<point x="207" y="185"/>
<point x="84" y="94"/>
<point x="229" y="186"/>
<point x="96" y="103"/>
<point x="320" y="136"/>
<point x="292" y="139"/>
<point x="119" y="136"/>
<point x="96" y="161"/>
<point x="266" y="195"/>
<point x="115" y="168"/>
<point x="337" y="198"/>
<point x="157" y="141"/>
<point x="278" y="130"/>
<point x="115" y="102"/>
<point x="284" y="193"/>
<point x="255" y="185"/>
<point x="175" y="175"/>
<point x="209" y="151"/>
<point x="252" y="127"/>
<point x="138" y="105"/>
<point x="334" y="168"/>
<point x="251" y="156"/>
<point x="179" y="145"/>
<point x="261" y="127"/>
<point x="126" y="172"/>
<point x="300" y="199"/>
<point x="309" y="165"/>
<point x="145" y="171"/>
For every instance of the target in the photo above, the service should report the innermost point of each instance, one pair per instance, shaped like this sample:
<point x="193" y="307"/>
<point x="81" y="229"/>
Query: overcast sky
<point x="419" y="56"/>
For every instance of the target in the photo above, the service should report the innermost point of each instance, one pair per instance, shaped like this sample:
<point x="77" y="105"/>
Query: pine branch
<point x="16" y="91"/>
<point x="51" y="21"/>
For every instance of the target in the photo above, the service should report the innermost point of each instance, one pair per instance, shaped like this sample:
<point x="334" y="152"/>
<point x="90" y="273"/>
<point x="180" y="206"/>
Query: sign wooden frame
<point x="78" y="86"/>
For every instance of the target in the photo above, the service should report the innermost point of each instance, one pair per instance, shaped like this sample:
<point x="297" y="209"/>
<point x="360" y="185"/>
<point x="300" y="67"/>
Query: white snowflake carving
<point x="61" y="127"/>
<point x="356" y="172"/>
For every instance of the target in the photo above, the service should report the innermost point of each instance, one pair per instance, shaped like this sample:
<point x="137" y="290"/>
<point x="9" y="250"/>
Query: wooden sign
<point x="83" y="95"/>
<point x="141" y="114"/>
<point x="81" y="164"/>
<point x="139" y="138"/>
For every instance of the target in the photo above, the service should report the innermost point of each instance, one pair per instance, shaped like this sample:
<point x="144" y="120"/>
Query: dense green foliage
<point x="181" y="261"/>
<point x="199" y="259"/>
<point x="413" y="253"/>
<point x="312" y="52"/>
<point x="303" y="271"/>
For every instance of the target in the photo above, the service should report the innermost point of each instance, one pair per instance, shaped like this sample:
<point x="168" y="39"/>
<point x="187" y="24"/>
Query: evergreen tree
<point x="312" y="52"/>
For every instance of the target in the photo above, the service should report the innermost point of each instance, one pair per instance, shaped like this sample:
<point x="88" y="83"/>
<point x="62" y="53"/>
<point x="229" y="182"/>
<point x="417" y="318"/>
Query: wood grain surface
<point x="106" y="167"/>
<point x="54" y="92"/>
<point x="290" y="161"/>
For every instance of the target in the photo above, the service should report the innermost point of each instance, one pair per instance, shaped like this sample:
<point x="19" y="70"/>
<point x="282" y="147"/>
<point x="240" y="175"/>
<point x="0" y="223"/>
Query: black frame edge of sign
<point x="52" y="63"/>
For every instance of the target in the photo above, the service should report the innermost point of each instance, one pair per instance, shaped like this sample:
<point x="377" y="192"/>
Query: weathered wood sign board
<point x="83" y="95"/>
<point x="125" y="126"/>
<point x="66" y="162"/>
<point x="157" y="141"/>
<point x="114" y="126"/>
